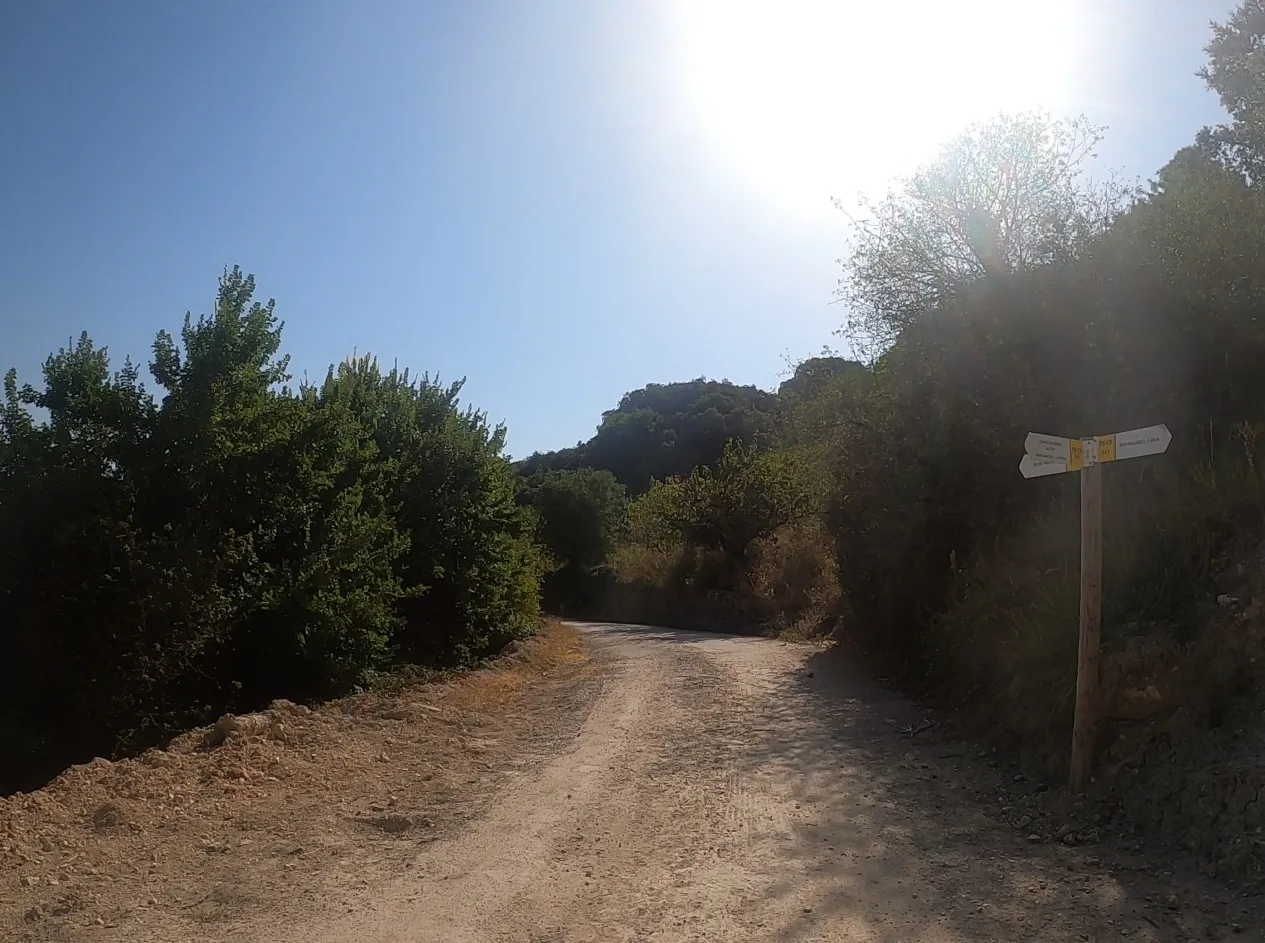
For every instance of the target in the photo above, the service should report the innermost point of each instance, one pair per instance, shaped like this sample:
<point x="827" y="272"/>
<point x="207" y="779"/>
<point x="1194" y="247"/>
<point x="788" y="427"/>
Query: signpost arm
<point x="1090" y="626"/>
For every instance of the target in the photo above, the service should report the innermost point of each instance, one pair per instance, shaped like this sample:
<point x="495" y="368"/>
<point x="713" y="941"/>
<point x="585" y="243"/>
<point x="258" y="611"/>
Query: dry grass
<point x="297" y="804"/>
<point x="494" y="689"/>
<point x="787" y="586"/>
<point x="793" y="575"/>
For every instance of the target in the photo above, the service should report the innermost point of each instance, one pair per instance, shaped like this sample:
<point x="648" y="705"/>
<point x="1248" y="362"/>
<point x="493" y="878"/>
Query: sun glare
<point x="809" y="99"/>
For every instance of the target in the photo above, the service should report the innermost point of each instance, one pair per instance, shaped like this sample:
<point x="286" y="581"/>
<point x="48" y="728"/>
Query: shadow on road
<point x="908" y="844"/>
<point x="894" y="837"/>
<point x="858" y="823"/>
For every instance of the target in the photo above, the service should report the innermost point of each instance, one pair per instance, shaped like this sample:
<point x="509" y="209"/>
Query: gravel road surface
<point x="730" y="789"/>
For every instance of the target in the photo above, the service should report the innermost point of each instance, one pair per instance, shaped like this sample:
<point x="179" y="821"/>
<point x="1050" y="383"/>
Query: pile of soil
<point x="276" y="808"/>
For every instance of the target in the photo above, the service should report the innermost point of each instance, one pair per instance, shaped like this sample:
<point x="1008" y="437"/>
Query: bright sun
<point x="812" y="99"/>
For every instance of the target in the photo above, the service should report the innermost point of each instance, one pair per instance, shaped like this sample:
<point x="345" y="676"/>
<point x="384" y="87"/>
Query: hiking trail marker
<point x="1052" y="455"/>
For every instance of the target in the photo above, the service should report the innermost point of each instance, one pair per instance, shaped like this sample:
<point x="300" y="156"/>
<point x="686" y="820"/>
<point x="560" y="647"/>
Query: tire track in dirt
<point x="529" y="848"/>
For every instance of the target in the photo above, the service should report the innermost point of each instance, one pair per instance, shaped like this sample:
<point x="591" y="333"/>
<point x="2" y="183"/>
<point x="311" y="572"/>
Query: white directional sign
<point x="1032" y="467"/>
<point x="1051" y="447"/>
<point x="1136" y="442"/>
<point x="1051" y="454"/>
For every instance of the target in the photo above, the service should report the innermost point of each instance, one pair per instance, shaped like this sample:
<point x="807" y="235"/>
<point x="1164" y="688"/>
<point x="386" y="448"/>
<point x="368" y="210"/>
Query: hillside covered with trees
<point x="1005" y="288"/>
<point x="666" y="429"/>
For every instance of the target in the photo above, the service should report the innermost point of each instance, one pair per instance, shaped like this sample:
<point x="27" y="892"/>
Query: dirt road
<point x="729" y="789"/>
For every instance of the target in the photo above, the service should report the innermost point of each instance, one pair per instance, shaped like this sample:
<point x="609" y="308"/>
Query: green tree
<point x="748" y="495"/>
<point x="1236" y="72"/>
<point x="582" y="514"/>
<point x="471" y="573"/>
<point x="265" y="486"/>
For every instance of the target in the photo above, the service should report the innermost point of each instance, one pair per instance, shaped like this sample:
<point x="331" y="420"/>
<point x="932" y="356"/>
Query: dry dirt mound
<point x="271" y="809"/>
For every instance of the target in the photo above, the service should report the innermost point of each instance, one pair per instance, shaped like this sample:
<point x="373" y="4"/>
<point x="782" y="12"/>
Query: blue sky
<point x="560" y="201"/>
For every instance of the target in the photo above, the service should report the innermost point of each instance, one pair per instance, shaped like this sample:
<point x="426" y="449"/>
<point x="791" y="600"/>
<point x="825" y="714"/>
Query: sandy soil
<point x="703" y="788"/>
<point x="305" y="814"/>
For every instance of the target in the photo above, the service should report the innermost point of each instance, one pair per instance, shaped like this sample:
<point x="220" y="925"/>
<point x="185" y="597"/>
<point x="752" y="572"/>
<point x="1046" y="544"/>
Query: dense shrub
<point x="1139" y="331"/>
<point x="162" y="560"/>
<point x="735" y="547"/>
<point x="727" y="509"/>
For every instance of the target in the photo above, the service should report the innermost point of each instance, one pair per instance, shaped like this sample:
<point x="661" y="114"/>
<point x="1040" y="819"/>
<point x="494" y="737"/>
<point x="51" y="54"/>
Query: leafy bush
<point x="162" y="561"/>
<point x="582" y="514"/>
<point x="731" y="547"/>
<point x="746" y="497"/>
<point x="471" y="570"/>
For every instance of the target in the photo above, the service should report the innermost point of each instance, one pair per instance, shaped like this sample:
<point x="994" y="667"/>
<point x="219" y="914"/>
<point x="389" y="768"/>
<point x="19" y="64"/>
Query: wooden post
<point x="1054" y="455"/>
<point x="1090" y="625"/>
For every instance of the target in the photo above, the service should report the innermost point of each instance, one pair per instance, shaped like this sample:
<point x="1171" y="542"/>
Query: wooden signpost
<point x="1052" y="455"/>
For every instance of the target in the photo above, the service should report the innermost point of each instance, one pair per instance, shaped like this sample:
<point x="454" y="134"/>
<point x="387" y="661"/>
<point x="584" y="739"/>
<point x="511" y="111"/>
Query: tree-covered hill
<point x="666" y="429"/>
